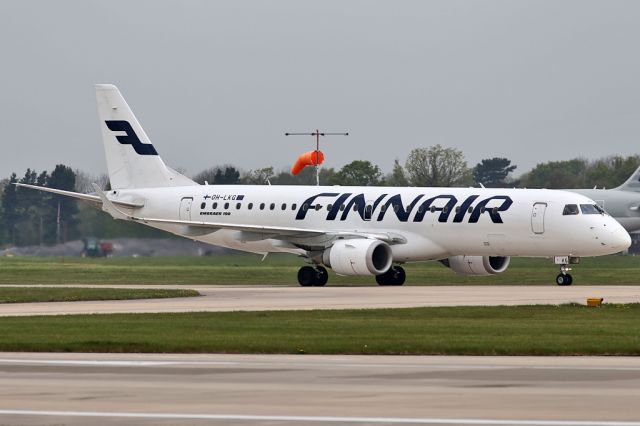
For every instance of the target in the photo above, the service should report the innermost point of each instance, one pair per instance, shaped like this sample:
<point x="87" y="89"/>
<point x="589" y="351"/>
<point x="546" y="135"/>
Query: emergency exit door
<point x="185" y="208"/>
<point x="537" y="218"/>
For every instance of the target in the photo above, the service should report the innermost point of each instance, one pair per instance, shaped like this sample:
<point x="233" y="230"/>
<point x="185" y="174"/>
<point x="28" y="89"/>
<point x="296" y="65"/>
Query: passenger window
<point x="305" y="207"/>
<point x="272" y="206"/>
<point x="214" y="206"/>
<point x="261" y="206"/>
<point x="457" y="209"/>
<point x="342" y="207"/>
<point x="238" y="205"/>
<point x="284" y="206"/>
<point x="329" y="207"/>
<point x="202" y="205"/>
<point x="226" y="206"/>
<point x="591" y="209"/>
<point x="570" y="209"/>
<point x="318" y="206"/>
<point x="250" y="206"/>
<point x="432" y="209"/>
<point x="293" y="206"/>
<point x="470" y="210"/>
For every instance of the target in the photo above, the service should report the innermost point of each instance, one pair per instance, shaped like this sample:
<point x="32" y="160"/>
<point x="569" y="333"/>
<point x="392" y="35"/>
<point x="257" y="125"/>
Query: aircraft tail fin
<point x="631" y="184"/>
<point x="132" y="161"/>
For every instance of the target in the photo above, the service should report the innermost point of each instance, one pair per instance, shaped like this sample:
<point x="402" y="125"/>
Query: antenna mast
<point x="317" y="134"/>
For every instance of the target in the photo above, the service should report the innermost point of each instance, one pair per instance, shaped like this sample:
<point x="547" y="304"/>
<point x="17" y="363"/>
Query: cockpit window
<point x="570" y="209"/>
<point x="591" y="209"/>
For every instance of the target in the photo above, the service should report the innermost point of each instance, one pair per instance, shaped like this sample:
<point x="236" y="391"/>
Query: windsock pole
<point x="317" y="134"/>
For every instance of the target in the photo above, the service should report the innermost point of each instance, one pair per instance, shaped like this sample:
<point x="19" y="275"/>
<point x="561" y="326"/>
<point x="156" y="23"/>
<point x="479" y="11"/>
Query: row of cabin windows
<point x="262" y="206"/>
<point x="305" y="207"/>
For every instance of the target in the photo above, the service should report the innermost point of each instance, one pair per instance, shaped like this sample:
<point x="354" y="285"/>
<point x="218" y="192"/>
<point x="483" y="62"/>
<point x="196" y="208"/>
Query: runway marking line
<point x="319" y="419"/>
<point x="149" y="363"/>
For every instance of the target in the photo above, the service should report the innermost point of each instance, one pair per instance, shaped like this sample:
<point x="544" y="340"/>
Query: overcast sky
<point x="217" y="82"/>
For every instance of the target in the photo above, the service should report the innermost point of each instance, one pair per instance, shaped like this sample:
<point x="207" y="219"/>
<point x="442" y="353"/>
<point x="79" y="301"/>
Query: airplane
<point x="352" y="230"/>
<point x="622" y="202"/>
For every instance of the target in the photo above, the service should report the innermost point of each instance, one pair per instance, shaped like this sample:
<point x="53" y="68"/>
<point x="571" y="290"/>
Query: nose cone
<point x="620" y="239"/>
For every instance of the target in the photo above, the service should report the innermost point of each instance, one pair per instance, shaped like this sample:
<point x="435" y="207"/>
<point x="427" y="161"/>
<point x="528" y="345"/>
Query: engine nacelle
<point x="358" y="257"/>
<point x="477" y="265"/>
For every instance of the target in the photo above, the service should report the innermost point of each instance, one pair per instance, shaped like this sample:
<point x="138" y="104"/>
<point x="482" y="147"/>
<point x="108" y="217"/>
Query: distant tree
<point x="62" y="177"/>
<point x="493" y="172"/>
<point x="358" y="173"/>
<point x="437" y="166"/>
<point x="229" y="176"/>
<point x="84" y="181"/>
<point x="611" y="171"/>
<point x="258" y="176"/>
<point x="556" y="175"/>
<point x="10" y="213"/>
<point x="397" y="176"/>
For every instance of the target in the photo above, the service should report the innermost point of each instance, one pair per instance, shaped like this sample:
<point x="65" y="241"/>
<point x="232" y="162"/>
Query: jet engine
<point x="477" y="265"/>
<point x="358" y="257"/>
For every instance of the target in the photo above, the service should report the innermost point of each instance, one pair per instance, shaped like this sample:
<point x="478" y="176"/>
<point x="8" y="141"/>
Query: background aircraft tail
<point x="631" y="184"/>
<point x="132" y="161"/>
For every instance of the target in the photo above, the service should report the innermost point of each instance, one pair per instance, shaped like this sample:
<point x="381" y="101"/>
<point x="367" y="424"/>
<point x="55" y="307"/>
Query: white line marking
<point x="320" y="419"/>
<point x="298" y="364"/>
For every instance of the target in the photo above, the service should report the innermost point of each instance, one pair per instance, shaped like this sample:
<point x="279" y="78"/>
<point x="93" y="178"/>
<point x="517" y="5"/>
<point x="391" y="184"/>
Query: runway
<point x="262" y="298"/>
<point x="75" y="389"/>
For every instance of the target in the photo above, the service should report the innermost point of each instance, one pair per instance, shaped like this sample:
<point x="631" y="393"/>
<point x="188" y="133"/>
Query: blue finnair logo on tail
<point x="130" y="137"/>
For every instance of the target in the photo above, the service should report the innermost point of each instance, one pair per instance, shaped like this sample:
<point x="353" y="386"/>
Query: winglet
<point x="108" y="206"/>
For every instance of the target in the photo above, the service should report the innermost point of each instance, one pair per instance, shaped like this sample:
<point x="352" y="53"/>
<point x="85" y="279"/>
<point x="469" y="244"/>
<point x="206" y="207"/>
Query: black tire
<point x="563" y="279"/>
<point x="394" y="276"/>
<point x="384" y="279"/>
<point x="399" y="275"/>
<point x="322" y="276"/>
<point x="306" y="276"/>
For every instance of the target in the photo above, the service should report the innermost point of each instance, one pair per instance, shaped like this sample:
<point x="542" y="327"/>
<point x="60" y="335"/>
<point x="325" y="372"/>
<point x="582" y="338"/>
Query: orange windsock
<point x="307" y="159"/>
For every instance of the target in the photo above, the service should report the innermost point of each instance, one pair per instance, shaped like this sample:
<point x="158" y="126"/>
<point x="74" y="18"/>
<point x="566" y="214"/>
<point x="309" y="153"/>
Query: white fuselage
<point x="433" y="223"/>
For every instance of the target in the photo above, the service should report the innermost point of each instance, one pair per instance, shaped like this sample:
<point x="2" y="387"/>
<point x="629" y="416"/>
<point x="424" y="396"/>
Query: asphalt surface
<point x="78" y="389"/>
<point x="261" y="298"/>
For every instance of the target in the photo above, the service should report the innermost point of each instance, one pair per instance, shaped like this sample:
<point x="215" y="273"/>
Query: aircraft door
<point x="185" y="208"/>
<point x="537" y="218"/>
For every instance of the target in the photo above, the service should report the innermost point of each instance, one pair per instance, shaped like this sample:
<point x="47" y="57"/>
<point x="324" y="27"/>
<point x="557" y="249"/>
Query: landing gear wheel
<point x="306" y="276"/>
<point x="564" y="279"/>
<point x="322" y="276"/>
<point x="309" y="276"/>
<point x="394" y="276"/>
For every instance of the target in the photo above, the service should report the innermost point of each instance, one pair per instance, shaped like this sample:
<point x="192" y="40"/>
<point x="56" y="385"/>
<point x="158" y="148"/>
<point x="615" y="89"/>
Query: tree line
<point x="29" y="217"/>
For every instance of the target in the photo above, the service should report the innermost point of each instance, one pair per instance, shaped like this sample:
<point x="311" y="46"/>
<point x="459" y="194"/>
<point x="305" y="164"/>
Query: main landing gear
<point x="394" y="276"/>
<point x="309" y="276"/>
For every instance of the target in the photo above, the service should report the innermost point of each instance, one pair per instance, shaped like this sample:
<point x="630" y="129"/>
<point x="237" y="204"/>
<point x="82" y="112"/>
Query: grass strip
<point x="246" y="269"/>
<point x="71" y="294"/>
<point x="521" y="330"/>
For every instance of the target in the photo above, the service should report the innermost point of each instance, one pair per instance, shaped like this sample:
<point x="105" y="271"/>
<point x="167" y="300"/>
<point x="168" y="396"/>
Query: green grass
<point x="524" y="330"/>
<point x="248" y="269"/>
<point x="70" y="294"/>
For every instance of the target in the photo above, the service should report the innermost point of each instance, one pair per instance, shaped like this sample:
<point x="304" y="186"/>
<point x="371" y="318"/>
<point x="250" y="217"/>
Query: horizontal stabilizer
<point x="84" y="197"/>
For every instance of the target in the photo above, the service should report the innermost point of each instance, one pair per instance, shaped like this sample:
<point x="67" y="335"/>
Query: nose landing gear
<point x="564" y="278"/>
